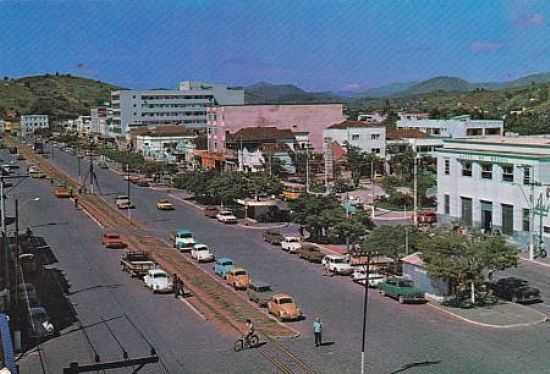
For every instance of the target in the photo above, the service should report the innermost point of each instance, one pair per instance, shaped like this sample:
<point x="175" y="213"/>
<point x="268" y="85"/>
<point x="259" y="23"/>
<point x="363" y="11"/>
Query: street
<point x="415" y="338"/>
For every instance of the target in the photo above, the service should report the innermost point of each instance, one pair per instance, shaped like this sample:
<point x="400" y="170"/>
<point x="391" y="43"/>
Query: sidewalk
<point x="524" y="256"/>
<point x="500" y="315"/>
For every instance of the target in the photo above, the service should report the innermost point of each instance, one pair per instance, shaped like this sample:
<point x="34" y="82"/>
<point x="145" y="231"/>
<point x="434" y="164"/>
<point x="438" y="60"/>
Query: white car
<point x="225" y="216"/>
<point x="337" y="264"/>
<point x="158" y="281"/>
<point x="360" y="274"/>
<point x="201" y="253"/>
<point x="291" y="244"/>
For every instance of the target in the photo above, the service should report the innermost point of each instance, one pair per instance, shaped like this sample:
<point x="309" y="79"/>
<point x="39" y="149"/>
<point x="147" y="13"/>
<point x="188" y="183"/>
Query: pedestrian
<point x="317" y="331"/>
<point x="176" y="285"/>
<point x="76" y="203"/>
<point x="301" y="231"/>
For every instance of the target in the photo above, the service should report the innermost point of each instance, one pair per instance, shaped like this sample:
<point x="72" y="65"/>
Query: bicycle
<point x="244" y="343"/>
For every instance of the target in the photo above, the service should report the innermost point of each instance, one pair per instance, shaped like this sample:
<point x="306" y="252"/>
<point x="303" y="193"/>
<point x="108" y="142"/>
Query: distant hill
<point x="267" y="93"/>
<point x="387" y="90"/>
<point x="59" y="96"/>
<point x="447" y="84"/>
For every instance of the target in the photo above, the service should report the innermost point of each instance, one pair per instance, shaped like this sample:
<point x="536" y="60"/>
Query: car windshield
<point x="201" y="249"/>
<point x="159" y="275"/>
<point x="122" y="197"/>
<point x="292" y="240"/>
<point x="264" y="289"/>
<point x="338" y="261"/>
<point x="227" y="263"/>
<point x="39" y="315"/>
<point x="406" y="283"/>
<point x="185" y="235"/>
<point x="240" y="272"/>
<point x="226" y="213"/>
<point x="285" y="300"/>
<point x="113" y="236"/>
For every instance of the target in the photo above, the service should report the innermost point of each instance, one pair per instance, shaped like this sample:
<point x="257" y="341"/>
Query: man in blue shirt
<point x="317" y="330"/>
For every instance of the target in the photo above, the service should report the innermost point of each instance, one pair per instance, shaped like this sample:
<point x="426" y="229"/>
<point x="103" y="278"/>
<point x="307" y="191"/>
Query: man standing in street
<point x="176" y="285"/>
<point x="317" y="331"/>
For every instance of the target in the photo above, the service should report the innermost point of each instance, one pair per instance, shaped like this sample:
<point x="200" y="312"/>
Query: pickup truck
<point x="337" y="264"/>
<point x="136" y="263"/>
<point x="183" y="240"/>
<point x="402" y="290"/>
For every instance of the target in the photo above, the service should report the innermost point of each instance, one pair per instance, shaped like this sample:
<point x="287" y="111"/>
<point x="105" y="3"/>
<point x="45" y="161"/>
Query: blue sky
<point x="316" y="44"/>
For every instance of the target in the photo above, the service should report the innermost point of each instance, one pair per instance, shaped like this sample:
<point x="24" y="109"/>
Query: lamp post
<point x="415" y="188"/>
<point x="365" y="308"/>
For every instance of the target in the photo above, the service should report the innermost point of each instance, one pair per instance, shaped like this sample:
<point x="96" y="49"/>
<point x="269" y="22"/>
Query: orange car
<point x="238" y="278"/>
<point x="284" y="308"/>
<point x="62" y="192"/>
<point x="112" y="240"/>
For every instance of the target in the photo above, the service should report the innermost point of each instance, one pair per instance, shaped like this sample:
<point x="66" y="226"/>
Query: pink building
<point x="312" y="118"/>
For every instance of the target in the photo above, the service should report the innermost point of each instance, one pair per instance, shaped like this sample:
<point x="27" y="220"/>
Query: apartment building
<point x="99" y="120"/>
<point x="456" y="127"/>
<point x="307" y="118"/>
<point x="487" y="182"/>
<point x="367" y="137"/>
<point x="32" y="122"/>
<point x="168" y="143"/>
<point x="186" y="105"/>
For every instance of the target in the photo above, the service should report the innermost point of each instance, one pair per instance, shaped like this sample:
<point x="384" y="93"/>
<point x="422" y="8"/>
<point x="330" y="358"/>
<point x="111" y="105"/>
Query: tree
<point x="463" y="260"/>
<point x="391" y="241"/>
<point x="359" y="162"/>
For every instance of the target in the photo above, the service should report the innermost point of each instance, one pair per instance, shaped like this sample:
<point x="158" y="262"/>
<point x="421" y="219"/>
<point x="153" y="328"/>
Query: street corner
<point x="502" y="315"/>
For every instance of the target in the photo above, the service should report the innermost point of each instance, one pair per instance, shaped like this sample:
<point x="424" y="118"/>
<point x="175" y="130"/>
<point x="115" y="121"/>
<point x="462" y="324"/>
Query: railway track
<point x="213" y="299"/>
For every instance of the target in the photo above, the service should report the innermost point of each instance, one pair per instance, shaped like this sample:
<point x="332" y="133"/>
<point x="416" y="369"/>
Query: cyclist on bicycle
<point x="249" y="330"/>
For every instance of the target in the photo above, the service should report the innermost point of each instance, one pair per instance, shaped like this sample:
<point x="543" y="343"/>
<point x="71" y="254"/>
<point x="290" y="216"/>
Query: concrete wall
<point x="361" y="137"/>
<point x="302" y="118"/>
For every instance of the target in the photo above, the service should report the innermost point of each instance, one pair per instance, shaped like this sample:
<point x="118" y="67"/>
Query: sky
<point x="319" y="45"/>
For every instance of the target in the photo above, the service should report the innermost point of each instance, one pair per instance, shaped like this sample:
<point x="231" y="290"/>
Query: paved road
<point x="415" y="338"/>
<point x="185" y="342"/>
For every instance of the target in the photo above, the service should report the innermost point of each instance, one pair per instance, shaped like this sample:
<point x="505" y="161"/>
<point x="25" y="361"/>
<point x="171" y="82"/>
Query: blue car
<point x="222" y="266"/>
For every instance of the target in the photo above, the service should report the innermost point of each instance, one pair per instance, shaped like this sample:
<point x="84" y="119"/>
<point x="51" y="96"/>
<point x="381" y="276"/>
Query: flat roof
<point x="540" y="141"/>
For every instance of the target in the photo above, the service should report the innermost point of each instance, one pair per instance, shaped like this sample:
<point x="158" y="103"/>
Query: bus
<point x="292" y="191"/>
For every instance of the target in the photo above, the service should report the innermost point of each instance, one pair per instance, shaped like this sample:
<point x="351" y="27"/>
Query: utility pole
<point x="365" y="306"/>
<point x="307" y="170"/>
<point x="128" y="190"/>
<point x="415" y="196"/>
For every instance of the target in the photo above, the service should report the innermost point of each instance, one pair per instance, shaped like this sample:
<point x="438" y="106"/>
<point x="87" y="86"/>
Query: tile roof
<point x="353" y="124"/>
<point x="395" y="134"/>
<point x="260" y="134"/>
<point x="414" y="259"/>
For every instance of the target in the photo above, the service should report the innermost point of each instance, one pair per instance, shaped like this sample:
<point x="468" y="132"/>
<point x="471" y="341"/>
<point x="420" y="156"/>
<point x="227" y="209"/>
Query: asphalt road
<point x="99" y="290"/>
<point x="401" y="338"/>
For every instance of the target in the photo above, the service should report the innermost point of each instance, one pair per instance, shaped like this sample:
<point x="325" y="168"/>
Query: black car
<point x="515" y="290"/>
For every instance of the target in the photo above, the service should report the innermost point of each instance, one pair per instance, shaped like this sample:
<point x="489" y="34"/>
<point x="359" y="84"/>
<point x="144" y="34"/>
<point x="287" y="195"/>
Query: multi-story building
<point x="186" y="105"/>
<point x="99" y="120"/>
<point x="168" y="143"/>
<point x="496" y="183"/>
<point x="32" y="122"/>
<point x="367" y="137"/>
<point x="83" y="125"/>
<point x="456" y="127"/>
<point x="310" y="118"/>
<point x="419" y="142"/>
<point x="373" y="117"/>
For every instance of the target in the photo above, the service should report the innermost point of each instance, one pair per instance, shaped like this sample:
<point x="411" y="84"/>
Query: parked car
<point x="238" y="278"/>
<point x="291" y="244"/>
<point x="273" y="237"/>
<point x="225" y="216"/>
<point x="62" y="192"/>
<point x="20" y="157"/>
<point x="201" y="253"/>
<point x="211" y="211"/>
<point x="39" y="324"/>
<point x="426" y="217"/>
<point x="337" y="264"/>
<point x="183" y="240"/>
<point x="515" y="290"/>
<point x="222" y="266"/>
<point x="259" y="292"/>
<point x="158" y="280"/>
<point x="284" y="308"/>
<point x="142" y="183"/>
<point x="123" y="202"/>
<point x="360" y="274"/>
<point x="310" y="253"/>
<point x="113" y="240"/>
<point x="164" y="204"/>
<point x="401" y="289"/>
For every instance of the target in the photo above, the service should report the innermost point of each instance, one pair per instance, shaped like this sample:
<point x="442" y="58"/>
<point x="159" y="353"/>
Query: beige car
<point x="238" y="278"/>
<point x="284" y="308"/>
<point x="165" y="205"/>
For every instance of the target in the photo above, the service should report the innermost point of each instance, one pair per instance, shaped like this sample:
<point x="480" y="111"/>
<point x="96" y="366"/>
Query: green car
<point x="402" y="290"/>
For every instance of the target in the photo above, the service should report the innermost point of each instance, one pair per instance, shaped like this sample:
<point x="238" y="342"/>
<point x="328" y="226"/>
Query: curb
<point x="263" y="228"/>
<point x="481" y="324"/>
<point x="185" y="201"/>
<point x="536" y="262"/>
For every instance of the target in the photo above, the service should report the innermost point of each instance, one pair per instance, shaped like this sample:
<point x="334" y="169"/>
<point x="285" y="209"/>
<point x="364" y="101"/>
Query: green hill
<point x="447" y="84"/>
<point x="267" y="93"/>
<point x="59" y="96"/>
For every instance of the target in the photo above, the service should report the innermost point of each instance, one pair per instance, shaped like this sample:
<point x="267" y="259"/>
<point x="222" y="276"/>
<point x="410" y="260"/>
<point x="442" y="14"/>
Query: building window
<point x="467" y="169"/>
<point x="507" y="219"/>
<point x="447" y="204"/>
<point x="466" y="211"/>
<point x="486" y="171"/>
<point x="508" y="173"/>
<point x="354" y="136"/>
<point x="527" y="175"/>
<point x="447" y="167"/>
<point x="474" y="132"/>
<point x="526" y="221"/>
<point x="375" y="150"/>
<point x="546" y="229"/>
<point x="375" y="136"/>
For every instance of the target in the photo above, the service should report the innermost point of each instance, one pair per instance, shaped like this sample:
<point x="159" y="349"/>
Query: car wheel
<point x="514" y="299"/>
<point x="401" y="300"/>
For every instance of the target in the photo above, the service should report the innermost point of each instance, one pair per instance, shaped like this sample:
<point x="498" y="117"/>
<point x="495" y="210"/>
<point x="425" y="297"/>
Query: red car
<point x="112" y="240"/>
<point x="426" y="218"/>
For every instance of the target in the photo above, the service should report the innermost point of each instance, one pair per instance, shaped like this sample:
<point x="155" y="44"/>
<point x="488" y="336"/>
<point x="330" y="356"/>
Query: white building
<point x="373" y="117"/>
<point x="99" y="119"/>
<point x="368" y="137"/>
<point x="486" y="183"/>
<point x="186" y="105"/>
<point x="419" y="142"/>
<point x="169" y="143"/>
<point x="456" y="127"/>
<point x="83" y="125"/>
<point x="31" y="123"/>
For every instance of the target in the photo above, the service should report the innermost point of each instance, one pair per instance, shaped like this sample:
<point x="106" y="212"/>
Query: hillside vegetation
<point x="59" y="96"/>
